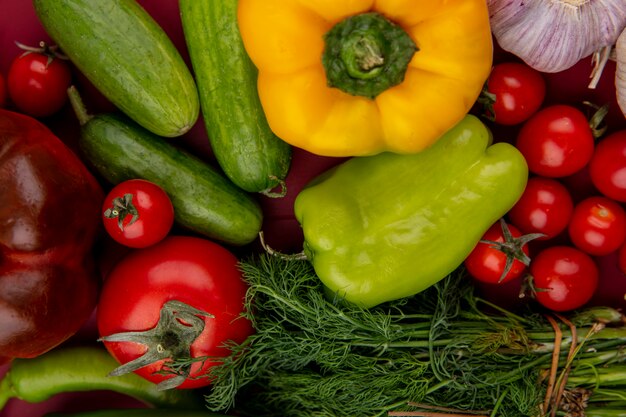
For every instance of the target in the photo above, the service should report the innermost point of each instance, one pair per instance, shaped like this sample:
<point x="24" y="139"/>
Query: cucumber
<point x="204" y="200"/>
<point x="243" y="144"/>
<point x="128" y="57"/>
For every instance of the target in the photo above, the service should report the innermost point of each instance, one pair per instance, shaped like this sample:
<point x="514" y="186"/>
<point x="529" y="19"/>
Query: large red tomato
<point x="185" y="296"/>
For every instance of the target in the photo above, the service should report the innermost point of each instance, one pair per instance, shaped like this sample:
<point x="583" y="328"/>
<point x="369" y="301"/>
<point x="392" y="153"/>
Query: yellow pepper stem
<point x="366" y="54"/>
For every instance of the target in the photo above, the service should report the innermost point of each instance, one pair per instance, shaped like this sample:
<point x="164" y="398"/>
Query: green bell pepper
<point x="384" y="227"/>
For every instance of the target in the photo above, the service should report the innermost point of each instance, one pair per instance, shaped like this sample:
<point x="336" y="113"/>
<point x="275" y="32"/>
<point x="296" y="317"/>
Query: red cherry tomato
<point x="598" y="226"/>
<point x="608" y="166"/>
<point x="137" y="213"/>
<point x="565" y="278"/>
<point x="37" y="82"/>
<point x="488" y="261"/>
<point x="556" y="141"/>
<point x="545" y="207"/>
<point x="514" y="91"/>
<point x="188" y="293"/>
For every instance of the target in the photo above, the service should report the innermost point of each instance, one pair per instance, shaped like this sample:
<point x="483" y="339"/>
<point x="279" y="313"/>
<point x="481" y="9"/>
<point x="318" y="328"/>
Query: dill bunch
<point x="443" y="349"/>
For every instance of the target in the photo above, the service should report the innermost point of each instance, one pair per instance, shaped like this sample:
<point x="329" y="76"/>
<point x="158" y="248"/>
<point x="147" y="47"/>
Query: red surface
<point x="19" y="23"/>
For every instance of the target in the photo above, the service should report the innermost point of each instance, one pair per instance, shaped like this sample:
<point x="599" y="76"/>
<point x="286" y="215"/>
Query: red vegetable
<point x="598" y="226"/>
<point x="564" y="278"/>
<point x="137" y="213"/>
<point x="184" y="295"/>
<point x="514" y="92"/>
<point x="500" y="256"/>
<point x="557" y="141"/>
<point x="38" y="80"/>
<point x="545" y="207"/>
<point x="49" y="217"/>
<point x="608" y="166"/>
<point x="3" y="92"/>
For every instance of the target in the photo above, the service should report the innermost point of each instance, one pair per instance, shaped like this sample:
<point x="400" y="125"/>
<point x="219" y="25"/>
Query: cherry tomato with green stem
<point x="556" y="141"/>
<point x="38" y="80"/>
<point x="564" y="278"/>
<point x="137" y="213"/>
<point x="598" y="225"/>
<point x="513" y="92"/>
<point x="608" y="166"/>
<point x="500" y="256"/>
<point x="545" y="207"/>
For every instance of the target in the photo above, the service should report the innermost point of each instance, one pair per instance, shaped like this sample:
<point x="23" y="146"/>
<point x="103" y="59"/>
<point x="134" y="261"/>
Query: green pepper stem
<point x="366" y="54"/>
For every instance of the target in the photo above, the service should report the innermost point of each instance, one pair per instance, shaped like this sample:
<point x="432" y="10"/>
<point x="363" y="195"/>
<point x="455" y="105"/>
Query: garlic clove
<point x="553" y="35"/>
<point x="620" y="71"/>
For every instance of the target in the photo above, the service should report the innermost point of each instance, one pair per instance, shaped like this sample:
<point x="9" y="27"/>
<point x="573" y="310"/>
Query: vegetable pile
<point x="457" y="238"/>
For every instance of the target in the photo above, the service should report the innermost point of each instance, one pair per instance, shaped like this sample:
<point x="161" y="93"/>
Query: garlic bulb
<point x="553" y="35"/>
<point x="620" y="71"/>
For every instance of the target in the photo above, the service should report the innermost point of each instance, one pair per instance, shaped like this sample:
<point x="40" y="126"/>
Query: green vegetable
<point x="384" y="227"/>
<point x="119" y="47"/>
<point x="204" y="200"/>
<point x="139" y="412"/>
<point x="84" y="368"/>
<point x="245" y="147"/>
<point x="444" y="347"/>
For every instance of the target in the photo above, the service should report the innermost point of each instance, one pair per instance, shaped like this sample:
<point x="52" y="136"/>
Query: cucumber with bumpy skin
<point x="245" y="147"/>
<point x="204" y="200"/>
<point x="128" y="57"/>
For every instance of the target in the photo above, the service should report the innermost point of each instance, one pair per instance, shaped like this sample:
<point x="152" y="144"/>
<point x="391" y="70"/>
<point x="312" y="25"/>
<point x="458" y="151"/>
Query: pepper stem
<point x="366" y="54"/>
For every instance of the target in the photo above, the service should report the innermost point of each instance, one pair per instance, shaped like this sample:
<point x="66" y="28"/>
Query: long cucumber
<point x="245" y="147"/>
<point x="128" y="57"/>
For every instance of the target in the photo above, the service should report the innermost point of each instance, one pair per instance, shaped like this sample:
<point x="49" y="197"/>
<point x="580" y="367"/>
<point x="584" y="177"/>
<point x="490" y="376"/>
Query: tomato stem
<point x="178" y="327"/>
<point x="512" y="247"/>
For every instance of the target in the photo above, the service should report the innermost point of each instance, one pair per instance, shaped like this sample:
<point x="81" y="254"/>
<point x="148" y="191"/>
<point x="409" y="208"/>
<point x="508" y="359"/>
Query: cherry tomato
<point x="608" y="166"/>
<point x="565" y="278"/>
<point x="488" y="260"/>
<point x="598" y="225"/>
<point x="183" y="299"/>
<point x="556" y="141"/>
<point x="38" y="80"/>
<point x="514" y="91"/>
<point x="545" y="207"/>
<point x="137" y="213"/>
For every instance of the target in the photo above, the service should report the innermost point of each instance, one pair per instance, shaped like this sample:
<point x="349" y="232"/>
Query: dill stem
<point x="615" y="375"/>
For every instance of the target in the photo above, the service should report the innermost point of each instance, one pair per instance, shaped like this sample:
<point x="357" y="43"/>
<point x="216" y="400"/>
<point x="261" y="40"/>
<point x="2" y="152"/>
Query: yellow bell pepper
<point x="360" y="77"/>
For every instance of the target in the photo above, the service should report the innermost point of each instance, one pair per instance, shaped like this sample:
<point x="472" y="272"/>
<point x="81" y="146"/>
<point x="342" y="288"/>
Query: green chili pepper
<point x="139" y="412"/>
<point x="84" y="368"/>
<point x="384" y="227"/>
